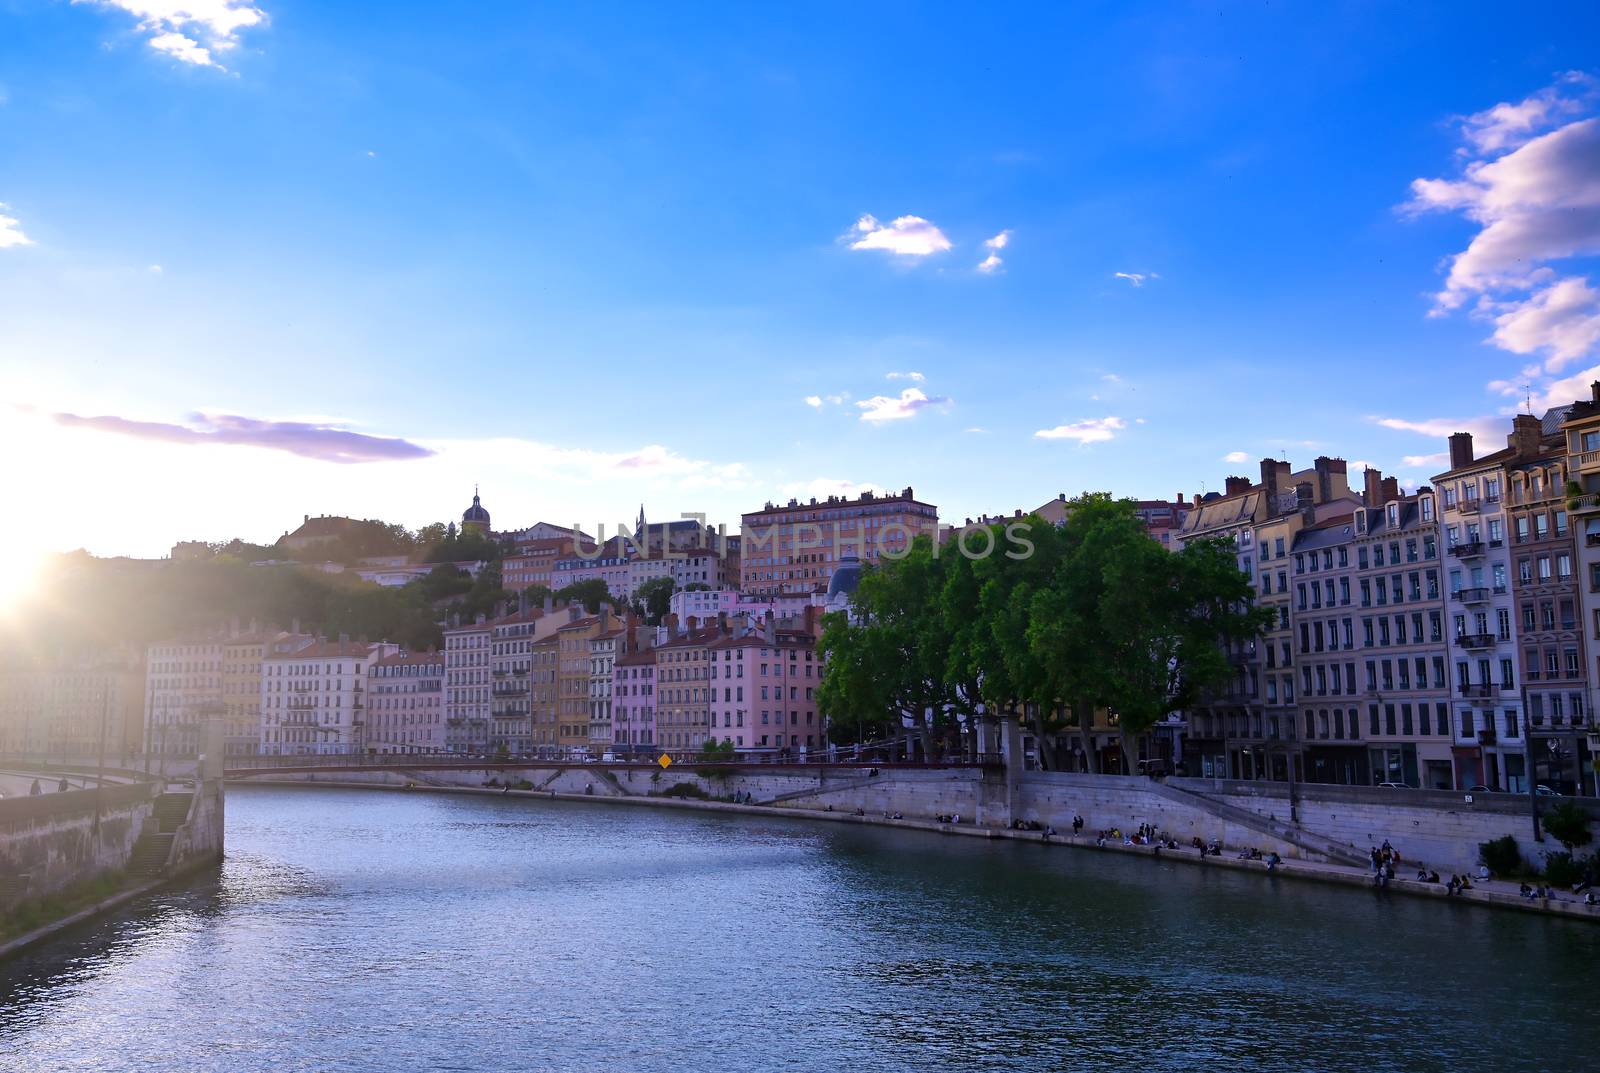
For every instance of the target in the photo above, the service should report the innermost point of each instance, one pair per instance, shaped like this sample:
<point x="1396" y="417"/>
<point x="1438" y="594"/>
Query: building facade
<point x="314" y="698"/>
<point x="405" y="703"/>
<point x="793" y="549"/>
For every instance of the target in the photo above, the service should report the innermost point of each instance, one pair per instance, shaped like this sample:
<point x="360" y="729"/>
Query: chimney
<point x="811" y="620"/>
<point x="1391" y="489"/>
<point x="1328" y="471"/>
<point x="1274" y="478"/>
<point x="522" y="602"/>
<point x="549" y="603"/>
<point x="294" y="625"/>
<point x="1460" y="449"/>
<point x="1235" y="485"/>
<point x="722" y="623"/>
<point x="1373" y="482"/>
<point x="1525" y="435"/>
<point x="1594" y="392"/>
<point x="574" y="612"/>
<point x="769" y="631"/>
<point x="605" y="618"/>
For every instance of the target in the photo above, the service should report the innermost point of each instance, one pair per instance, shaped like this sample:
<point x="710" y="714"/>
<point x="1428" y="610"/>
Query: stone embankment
<point x="68" y="856"/>
<point x="1327" y="837"/>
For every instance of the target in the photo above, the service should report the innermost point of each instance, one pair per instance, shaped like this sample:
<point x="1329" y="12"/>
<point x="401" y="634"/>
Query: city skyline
<point x="264" y="261"/>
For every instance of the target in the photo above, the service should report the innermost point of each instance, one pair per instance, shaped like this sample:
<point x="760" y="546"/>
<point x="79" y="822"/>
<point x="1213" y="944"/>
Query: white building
<point x="183" y="688"/>
<point x="313" y="700"/>
<point x="466" y="687"/>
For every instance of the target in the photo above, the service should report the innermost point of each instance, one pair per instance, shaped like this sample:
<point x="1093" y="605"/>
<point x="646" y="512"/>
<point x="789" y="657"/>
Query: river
<point x="363" y="930"/>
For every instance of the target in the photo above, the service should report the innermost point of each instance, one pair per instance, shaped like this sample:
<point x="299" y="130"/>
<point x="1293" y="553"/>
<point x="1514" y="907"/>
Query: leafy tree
<point x="653" y="599"/>
<point x="1569" y="823"/>
<point x="443" y="582"/>
<point x="591" y="594"/>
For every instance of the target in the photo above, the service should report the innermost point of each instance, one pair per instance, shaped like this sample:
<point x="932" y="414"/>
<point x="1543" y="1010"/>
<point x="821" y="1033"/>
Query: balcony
<point x="1476" y="595"/>
<point x="1479" y="690"/>
<point x="301" y="704"/>
<point x="1469" y="506"/>
<point x="1486" y="736"/>
<point x="512" y="689"/>
<point x="1467" y="549"/>
<point x="1475" y="640"/>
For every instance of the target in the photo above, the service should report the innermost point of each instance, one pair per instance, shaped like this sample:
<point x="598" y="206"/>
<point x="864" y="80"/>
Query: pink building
<point x="405" y="704"/>
<point x="763" y="688"/>
<point x="633" y="700"/>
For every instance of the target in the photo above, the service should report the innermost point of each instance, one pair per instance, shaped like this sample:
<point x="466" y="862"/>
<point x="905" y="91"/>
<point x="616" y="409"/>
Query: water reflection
<point x="366" y="931"/>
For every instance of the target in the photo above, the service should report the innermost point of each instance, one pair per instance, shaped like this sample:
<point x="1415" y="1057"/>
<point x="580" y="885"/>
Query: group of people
<point x="951" y="818"/>
<point x="1207" y="849"/>
<point x="36" y="789"/>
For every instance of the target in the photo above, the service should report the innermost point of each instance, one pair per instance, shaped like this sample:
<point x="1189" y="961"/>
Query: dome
<point x="475" y="514"/>
<point x="845" y="579"/>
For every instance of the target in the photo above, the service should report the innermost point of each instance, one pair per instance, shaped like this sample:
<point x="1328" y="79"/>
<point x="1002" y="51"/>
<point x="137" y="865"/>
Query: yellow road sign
<point x="664" y="760"/>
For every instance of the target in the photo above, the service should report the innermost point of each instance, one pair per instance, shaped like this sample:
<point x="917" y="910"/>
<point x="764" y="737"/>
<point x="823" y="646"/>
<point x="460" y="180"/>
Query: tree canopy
<point x="1039" y="622"/>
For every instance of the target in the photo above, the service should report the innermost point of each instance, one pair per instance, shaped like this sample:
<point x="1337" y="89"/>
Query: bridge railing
<point x="396" y="761"/>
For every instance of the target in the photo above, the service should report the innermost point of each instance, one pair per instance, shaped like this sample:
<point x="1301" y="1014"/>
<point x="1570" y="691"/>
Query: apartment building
<point x="405" y="703"/>
<point x="683" y="687"/>
<point x="574" y="674"/>
<point x="1488" y="717"/>
<point x="1405" y="652"/>
<point x="1547" y="595"/>
<point x="314" y="698"/>
<point x="602" y="662"/>
<point x="533" y="562"/>
<point x="183" y="690"/>
<point x="1582" y="434"/>
<point x="511" y="640"/>
<point x="1234" y="732"/>
<point x="793" y="549"/>
<point x="633" y="700"/>
<point x="543" y="700"/>
<point x="468" y="699"/>
<point x="72" y="704"/>
<point x="763" y="681"/>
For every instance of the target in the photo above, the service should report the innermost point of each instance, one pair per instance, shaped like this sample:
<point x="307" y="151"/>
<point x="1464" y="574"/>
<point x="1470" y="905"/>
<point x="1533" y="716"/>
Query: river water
<point x="362" y="930"/>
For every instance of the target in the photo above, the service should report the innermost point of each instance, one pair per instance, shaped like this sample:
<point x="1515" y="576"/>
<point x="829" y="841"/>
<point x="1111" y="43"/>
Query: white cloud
<point x="191" y="31"/>
<point x="1236" y="456"/>
<point x="1531" y="184"/>
<point x="1563" y="320"/>
<point x="11" y="231"/>
<point x="1415" y="461"/>
<point x="1442" y="427"/>
<point x="906" y="236"/>
<point x="906" y="405"/>
<point x="154" y="270"/>
<point x="1508" y="125"/>
<point x="1091" y="430"/>
<point x="817" y="402"/>
<point x="978" y="430"/>
<point x="1136" y="278"/>
<point x="915" y="378"/>
<point x="992" y="263"/>
<point x="823" y="487"/>
<point x="814" y="401"/>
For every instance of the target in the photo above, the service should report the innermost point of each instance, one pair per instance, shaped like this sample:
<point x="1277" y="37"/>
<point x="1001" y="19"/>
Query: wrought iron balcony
<point x="1470" y="506"/>
<point x="1479" y="689"/>
<point x="1467" y="549"/>
<point x="1486" y="736"/>
<point x="1475" y="640"/>
<point x="1475" y="595"/>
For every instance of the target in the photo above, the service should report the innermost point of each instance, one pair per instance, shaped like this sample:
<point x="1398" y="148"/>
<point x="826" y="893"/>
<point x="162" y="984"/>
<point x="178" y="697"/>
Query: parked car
<point x="608" y="758"/>
<point x="1480" y="788"/>
<point x="1542" y="790"/>
<point x="1393" y="786"/>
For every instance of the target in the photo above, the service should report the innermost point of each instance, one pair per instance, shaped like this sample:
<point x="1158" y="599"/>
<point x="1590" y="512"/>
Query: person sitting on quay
<point x="36" y="789"/>
<point x="1433" y="877"/>
<point x="1525" y="890"/>
<point x="1589" y="898"/>
<point x="1077" y="825"/>
<point x="1273" y="860"/>
<point x="1451" y="887"/>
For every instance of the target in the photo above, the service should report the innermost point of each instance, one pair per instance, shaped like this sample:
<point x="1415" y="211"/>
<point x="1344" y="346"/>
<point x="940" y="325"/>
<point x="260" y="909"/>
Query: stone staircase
<point x="1335" y="852"/>
<point x="153" y="851"/>
<point x="830" y="788"/>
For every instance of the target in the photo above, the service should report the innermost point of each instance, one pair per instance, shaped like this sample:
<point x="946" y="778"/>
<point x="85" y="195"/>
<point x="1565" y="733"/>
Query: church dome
<point x="846" y="576"/>
<point x="475" y="514"/>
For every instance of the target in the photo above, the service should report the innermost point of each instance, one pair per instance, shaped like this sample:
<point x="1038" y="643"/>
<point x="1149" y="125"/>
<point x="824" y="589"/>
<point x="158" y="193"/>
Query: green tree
<point x="1569" y="823"/>
<point x="653" y="599"/>
<point x="591" y="594"/>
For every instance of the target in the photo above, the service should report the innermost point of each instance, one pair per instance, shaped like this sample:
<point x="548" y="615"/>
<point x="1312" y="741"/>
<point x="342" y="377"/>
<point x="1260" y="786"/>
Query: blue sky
<point x="597" y="256"/>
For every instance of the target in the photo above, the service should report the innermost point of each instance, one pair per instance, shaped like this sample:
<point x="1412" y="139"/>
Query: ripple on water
<point x="358" y="931"/>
